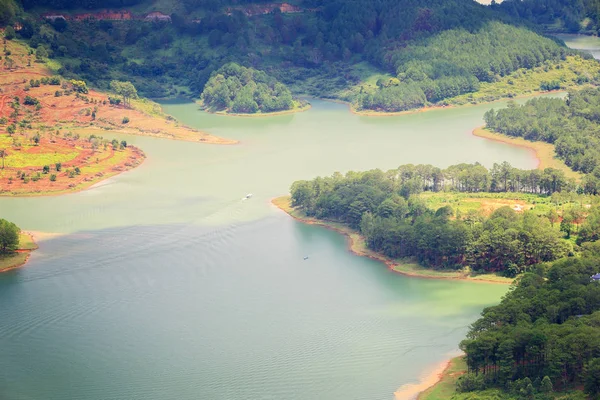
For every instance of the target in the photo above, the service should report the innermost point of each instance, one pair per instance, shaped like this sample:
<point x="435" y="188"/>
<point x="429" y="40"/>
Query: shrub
<point x="52" y="177"/>
<point x="470" y="383"/>
<point x="58" y="167"/>
<point x="125" y="120"/>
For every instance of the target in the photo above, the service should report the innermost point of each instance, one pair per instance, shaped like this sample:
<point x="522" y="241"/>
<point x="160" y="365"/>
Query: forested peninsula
<point x="407" y="214"/>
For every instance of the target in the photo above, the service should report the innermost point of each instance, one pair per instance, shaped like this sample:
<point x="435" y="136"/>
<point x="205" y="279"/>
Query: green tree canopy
<point x="9" y="236"/>
<point x="125" y="89"/>
<point x="246" y="91"/>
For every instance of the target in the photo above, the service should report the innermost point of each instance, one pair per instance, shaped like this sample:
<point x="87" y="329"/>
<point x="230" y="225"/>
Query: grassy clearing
<point x="26" y="242"/>
<point x="487" y="203"/>
<point x="544" y="151"/>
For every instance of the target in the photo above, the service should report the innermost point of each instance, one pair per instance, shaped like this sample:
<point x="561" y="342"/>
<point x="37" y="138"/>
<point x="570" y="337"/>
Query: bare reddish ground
<point x="72" y="113"/>
<point x="72" y="110"/>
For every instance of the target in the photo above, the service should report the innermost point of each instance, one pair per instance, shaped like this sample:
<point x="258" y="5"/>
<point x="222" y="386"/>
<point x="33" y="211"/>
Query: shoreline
<point x="356" y="246"/>
<point x="430" y="378"/>
<point x="24" y="249"/>
<point x="307" y="107"/>
<point x="441" y="383"/>
<point x="544" y="152"/>
<point x="373" y="113"/>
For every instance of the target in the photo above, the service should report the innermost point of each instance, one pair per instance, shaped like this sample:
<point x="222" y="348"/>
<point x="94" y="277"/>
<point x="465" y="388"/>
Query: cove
<point x="166" y="284"/>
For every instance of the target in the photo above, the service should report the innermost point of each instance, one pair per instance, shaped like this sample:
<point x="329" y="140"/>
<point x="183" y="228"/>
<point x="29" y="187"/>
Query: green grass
<point x="26" y="242"/>
<point x="20" y="159"/>
<point x="12" y="260"/>
<point x="487" y="202"/>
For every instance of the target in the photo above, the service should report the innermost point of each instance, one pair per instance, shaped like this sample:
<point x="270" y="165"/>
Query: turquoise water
<point x="165" y="284"/>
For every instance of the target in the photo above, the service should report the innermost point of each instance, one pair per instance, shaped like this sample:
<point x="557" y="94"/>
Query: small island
<point x="15" y="246"/>
<point x="237" y="90"/>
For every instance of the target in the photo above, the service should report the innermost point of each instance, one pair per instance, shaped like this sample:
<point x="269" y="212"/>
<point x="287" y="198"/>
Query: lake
<point x="161" y="283"/>
<point x="589" y="44"/>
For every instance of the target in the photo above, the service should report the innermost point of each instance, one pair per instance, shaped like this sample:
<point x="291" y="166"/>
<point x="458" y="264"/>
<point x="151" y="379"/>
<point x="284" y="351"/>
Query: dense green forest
<point x="543" y="336"/>
<point x="572" y="125"/>
<point x="386" y="209"/>
<point x="455" y="62"/>
<point x="574" y="16"/>
<point x="419" y="52"/>
<point x="243" y="90"/>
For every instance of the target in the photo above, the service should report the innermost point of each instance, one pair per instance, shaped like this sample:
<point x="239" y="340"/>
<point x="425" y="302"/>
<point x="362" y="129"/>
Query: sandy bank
<point x="442" y="381"/>
<point x="542" y="151"/>
<point x="357" y="245"/>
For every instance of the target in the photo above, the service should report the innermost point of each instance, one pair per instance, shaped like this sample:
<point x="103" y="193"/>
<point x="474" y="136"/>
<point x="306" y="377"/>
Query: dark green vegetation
<point x="9" y="237"/>
<point x="387" y="211"/>
<point x="455" y="62"/>
<point x="573" y="16"/>
<point x="245" y="91"/>
<point x="379" y="55"/>
<point x="572" y="125"/>
<point x="542" y="337"/>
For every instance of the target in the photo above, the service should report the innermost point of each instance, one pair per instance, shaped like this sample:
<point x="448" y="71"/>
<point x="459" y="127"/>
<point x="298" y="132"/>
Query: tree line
<point x="386" y="209"/>
<point x="572" y="125"/>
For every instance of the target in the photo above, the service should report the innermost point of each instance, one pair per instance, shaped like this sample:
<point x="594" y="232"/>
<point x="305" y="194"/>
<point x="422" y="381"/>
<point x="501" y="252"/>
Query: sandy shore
<point x="356" y="244"/>
<point x="432" y="376"/>
<point x="543" y="152"/>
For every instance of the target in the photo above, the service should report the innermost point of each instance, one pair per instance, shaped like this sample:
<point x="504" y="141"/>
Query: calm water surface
<point x="590" y="44"/>
<point x="166" y="285"/>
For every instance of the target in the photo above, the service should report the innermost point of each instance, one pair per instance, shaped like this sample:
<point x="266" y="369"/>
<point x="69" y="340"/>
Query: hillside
<point x="57" y="135"/>
<point x="355" y="51"/>
<point x="571" y="16"/>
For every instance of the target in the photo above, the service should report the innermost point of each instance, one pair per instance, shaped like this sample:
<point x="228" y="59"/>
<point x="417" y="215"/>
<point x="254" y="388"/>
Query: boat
<point x="249" y="195"/>
<point x="306" y="257"/>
